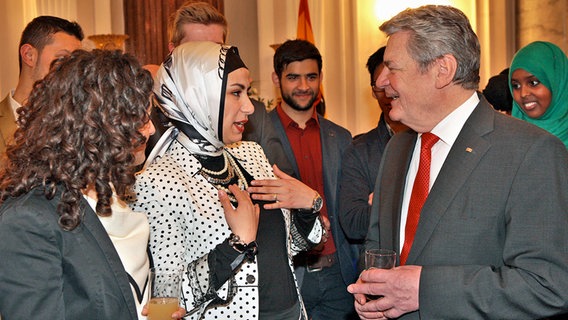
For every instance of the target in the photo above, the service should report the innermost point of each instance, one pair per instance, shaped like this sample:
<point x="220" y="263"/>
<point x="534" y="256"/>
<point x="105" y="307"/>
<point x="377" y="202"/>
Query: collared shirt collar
<point x="13" y="103"/>
<point x="389" y="129"/>
<point x="287" y="121"/>
<point x="449" y="128"/>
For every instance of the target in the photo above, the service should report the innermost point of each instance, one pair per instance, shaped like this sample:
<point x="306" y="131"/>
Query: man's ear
<point x="29" y="55"/>
<point x="447" y="67"/>
<point x="275" y="79"/>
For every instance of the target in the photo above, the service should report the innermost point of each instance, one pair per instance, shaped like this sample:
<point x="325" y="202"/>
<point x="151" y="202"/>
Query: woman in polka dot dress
<point x="237" y="252"/>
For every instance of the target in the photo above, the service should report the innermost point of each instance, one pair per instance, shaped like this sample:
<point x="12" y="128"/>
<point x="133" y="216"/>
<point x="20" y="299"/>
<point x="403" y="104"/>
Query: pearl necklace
<point x="221" y="183"/>
<point x="241" y="181"/>
<point x="220" y="172"/>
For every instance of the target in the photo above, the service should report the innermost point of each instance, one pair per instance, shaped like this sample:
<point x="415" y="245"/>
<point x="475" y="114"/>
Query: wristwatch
<point x="317" y="203"/>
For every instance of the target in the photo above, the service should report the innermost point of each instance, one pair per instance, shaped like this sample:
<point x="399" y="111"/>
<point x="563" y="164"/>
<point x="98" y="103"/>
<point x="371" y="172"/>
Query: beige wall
<point x="243" y="32"/>
<point x="496" y="30"/>
<point x="542" y="20"/>
<point x="12" y="22"/>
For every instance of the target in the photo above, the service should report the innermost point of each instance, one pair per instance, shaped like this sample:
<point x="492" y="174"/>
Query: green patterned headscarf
<point x="549" y="64"/>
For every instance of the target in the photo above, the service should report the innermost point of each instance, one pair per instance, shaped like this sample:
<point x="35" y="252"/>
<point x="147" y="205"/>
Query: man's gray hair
<point x="436" y="31"/>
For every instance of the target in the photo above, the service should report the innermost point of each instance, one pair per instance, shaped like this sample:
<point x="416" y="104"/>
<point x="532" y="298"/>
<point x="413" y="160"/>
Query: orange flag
<point x="305" y="32"/>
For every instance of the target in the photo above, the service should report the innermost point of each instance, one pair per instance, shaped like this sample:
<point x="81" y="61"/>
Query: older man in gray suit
<point x="490" y="239"/>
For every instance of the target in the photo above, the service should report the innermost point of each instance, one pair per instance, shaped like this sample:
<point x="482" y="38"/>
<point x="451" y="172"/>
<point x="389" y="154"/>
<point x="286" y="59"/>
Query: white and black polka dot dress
<point x="187" y="222"/>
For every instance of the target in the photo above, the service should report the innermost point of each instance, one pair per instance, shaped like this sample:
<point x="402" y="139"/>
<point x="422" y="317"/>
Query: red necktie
<point x="419" y="193"/>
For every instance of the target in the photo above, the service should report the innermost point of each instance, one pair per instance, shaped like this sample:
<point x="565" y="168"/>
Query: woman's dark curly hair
<point x="79" y="128"/>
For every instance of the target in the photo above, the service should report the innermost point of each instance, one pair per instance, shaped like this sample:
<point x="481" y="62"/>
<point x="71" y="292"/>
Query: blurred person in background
<point x="44" y="39"/>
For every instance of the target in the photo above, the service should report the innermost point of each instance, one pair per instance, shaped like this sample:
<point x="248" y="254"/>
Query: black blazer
<point x="49" y="273"/>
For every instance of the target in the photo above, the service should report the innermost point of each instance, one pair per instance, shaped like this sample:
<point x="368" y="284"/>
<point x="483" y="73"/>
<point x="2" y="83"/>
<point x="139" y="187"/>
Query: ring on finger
<point x="275" y="197"/>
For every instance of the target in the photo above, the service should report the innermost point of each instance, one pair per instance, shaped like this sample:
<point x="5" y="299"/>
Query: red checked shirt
<point x="306" y="144"/>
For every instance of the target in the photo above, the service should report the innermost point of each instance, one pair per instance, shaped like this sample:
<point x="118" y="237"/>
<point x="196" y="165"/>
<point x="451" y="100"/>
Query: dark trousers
<point x="325" y="295"/>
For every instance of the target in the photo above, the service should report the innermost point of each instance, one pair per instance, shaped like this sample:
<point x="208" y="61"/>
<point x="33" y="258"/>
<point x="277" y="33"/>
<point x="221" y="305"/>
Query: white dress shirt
<point x="447" y="130"/>
<point x="129" y="231"/>
<point x="13" y="103"/>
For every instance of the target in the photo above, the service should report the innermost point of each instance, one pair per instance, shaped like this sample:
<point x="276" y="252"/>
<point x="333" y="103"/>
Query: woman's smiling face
<point x="530" y="94"/>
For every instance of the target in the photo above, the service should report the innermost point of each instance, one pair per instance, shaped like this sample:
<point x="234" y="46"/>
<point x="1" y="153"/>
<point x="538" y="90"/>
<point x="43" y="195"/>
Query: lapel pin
<point x="468" y="149"/>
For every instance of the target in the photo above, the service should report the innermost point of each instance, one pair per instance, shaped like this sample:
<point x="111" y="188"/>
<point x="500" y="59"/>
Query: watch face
<point x="318" y="203"/>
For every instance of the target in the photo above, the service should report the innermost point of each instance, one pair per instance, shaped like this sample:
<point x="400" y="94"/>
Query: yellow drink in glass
<point x="162" y="308"/>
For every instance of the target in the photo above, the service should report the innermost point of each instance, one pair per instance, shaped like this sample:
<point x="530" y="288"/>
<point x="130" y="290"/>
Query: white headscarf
<point x="190" y="89"/>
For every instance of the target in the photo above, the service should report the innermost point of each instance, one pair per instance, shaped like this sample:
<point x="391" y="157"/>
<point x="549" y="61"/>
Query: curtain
<point x="146" y="24"/>
<point x="61" y="8"/>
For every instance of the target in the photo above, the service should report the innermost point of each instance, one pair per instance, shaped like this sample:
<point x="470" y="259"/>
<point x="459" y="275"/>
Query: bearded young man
<point x="314" y="146"/>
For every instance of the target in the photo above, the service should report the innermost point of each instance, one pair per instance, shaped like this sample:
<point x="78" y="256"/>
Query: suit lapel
<point x="329" y="154"/>
<point x="279" y="129"/>
<point x="94" y="226"/>
<point x="468" y="149"/>
<point x="392" y="185"/>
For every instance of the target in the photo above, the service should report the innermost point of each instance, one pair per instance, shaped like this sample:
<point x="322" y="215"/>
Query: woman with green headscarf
<point x="538" y="80"/>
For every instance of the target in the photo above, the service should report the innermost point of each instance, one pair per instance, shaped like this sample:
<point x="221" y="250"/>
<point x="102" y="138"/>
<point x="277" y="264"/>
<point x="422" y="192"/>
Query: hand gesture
<point x="284" y="192"/>
<point x="243" y="220"/>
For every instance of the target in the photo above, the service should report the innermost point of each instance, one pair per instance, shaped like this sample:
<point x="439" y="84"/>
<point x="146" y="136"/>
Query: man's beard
<point x="290" y="101"/>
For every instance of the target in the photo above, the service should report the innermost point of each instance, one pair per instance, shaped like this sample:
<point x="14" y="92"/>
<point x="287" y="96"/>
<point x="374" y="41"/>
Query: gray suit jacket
<point x="334" y="141"/>
<point x="492" y="237"/>
<point x="260" y="130"/>
<point x="49" y="273"/>
<point x="7" y="123"/>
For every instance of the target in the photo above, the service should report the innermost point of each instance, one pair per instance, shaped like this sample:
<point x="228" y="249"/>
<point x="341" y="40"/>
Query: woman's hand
<point x="243" y="220"/>
<point x="180" y="313"/>
<point x="284" y="192"/>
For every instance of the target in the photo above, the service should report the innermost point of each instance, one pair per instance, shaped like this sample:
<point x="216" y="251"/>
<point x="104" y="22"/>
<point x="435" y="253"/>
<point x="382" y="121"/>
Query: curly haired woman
<point x="68" y="242"/>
